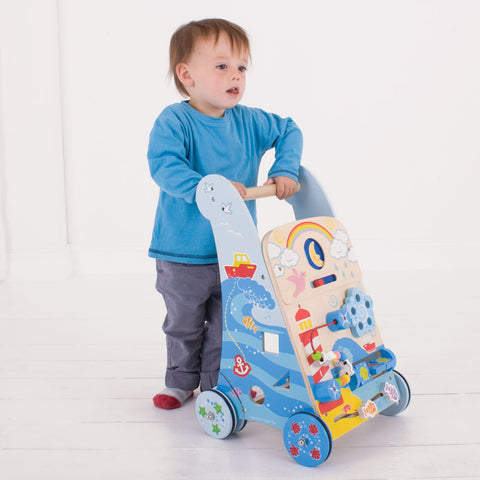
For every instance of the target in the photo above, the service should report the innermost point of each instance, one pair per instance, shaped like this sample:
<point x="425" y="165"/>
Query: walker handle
<point x="263" y="191"/>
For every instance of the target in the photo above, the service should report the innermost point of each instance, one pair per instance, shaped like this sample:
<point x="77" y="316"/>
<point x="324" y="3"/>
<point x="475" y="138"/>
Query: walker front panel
<point x="330" y="320"/>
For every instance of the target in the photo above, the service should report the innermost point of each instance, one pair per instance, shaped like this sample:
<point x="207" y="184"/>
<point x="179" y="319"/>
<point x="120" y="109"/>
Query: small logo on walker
<point x="367" y="410"/>
<point x="391" y="392"/>
<point x="241" y="368"/>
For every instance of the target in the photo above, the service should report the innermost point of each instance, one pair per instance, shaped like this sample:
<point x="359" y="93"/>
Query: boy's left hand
<point x="286" y="187"/>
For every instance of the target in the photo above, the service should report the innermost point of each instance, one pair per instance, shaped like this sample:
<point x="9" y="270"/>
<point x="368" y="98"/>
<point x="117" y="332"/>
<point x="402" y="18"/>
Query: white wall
<point x="385" y="92"/>
<point x="3" y="227"/>
<point x="32" y="140"/>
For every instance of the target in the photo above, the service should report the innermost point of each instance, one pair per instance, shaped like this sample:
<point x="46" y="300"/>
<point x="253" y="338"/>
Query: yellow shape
<point x="279" y="236"/>
<point x="305" y="325"/>
<point x="240" y="258"/>
<point x="340" y="427"/>
<point x="315" y="256"/>
<point x="364" y="373"/>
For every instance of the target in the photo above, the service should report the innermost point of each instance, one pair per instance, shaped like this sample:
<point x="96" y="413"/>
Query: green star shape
<point x="218" y="408"/>
<point x="202" y="411"/>
<point x="215" y="429"/>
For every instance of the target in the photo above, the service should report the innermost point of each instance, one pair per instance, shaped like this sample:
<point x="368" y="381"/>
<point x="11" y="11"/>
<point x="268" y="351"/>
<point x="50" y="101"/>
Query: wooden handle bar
<point x="263" y="191"/>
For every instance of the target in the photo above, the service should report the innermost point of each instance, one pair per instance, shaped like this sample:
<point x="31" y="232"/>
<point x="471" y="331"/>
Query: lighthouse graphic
<point x="308" y="335"/>
<point x="304" y="320"/>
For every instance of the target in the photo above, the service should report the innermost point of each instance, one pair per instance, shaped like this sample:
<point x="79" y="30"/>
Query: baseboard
<point x="47" y="265"/>
<point x="107" y="262"/>
<point x="372" y="254"/>
<point x="398" y="255"/>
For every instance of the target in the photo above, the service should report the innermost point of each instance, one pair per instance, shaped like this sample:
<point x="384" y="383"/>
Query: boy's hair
<point x="184" y="39"/>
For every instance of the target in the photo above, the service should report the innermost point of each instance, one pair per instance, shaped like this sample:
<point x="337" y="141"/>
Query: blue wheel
<point x="307" y="439"/>
<point x="404" y="396"/>
<point x="241" y="424"/>
<point x="215" y="414"/>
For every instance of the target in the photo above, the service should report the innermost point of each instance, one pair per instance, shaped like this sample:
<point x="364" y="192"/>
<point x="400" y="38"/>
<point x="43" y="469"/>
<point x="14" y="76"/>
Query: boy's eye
<point x="242" y="69"/>
<point x="222" y="66"/>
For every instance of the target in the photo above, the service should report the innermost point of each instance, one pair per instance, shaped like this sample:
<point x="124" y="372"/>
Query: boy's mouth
<point x="233" y="91"/>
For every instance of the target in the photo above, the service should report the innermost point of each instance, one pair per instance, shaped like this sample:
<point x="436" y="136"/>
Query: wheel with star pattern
<point x="215" y="414"/>
<point x="307" y="439"/>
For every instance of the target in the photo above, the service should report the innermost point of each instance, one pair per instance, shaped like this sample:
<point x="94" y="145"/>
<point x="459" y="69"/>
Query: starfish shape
<point x="218" y="408"/>
<point x="215" y="429"/>
<point x="202" y="411"/>
<point x="333" y="388"/>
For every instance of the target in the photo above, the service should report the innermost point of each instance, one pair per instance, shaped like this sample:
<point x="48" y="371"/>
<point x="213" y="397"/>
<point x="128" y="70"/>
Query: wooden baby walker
<point x="301" y="348"/>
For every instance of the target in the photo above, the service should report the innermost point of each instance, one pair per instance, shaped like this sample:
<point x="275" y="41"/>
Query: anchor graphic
<point x="242" y="368"/>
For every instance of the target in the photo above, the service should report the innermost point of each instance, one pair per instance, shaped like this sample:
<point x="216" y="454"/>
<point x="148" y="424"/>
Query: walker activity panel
<point x="301" y="346"/>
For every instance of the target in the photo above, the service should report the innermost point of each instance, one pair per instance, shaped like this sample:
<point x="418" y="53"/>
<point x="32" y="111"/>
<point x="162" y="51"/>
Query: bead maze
<point x="301" y="347"/>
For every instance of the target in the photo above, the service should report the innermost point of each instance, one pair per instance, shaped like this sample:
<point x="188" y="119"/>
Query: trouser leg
<point x="212" y="342"/>
<point x="192" y="328"/>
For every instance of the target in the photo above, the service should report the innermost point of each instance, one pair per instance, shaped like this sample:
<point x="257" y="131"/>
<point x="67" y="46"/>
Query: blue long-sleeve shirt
<point x="185" y="145"/>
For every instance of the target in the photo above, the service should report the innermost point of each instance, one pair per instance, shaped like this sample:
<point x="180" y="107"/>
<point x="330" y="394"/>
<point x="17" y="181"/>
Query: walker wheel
<point x="215" y="414"/>
<point x="307" y="439"/>
<point x="241" y="424"/>
<point x="404" y="394"/>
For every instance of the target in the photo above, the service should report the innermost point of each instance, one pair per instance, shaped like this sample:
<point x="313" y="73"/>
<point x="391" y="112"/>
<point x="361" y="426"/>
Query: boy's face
<point x="214" y="76"/>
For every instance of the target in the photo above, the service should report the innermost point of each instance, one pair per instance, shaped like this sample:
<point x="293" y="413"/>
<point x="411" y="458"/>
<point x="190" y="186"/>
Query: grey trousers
<point x="193" y="324"/>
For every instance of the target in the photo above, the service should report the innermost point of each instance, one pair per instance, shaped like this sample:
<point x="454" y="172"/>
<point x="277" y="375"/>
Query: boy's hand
<point x="240" y="188"/>
<point x="286" y="187"/>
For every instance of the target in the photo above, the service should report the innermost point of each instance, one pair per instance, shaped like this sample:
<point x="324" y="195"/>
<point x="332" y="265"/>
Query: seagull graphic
<point x="227" y="208"/>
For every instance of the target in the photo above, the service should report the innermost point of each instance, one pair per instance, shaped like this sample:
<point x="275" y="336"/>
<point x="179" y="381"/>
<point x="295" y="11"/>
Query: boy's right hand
<point x="240" y="188"/>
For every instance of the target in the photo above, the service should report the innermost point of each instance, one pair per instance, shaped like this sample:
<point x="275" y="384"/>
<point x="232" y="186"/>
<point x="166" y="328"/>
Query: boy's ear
<point x="183" y="73"/>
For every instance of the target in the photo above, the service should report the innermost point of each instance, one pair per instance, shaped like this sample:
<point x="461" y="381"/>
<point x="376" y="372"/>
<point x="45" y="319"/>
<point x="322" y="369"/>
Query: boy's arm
<point x="167" y="157"/>
<point x="286" y="186"/>
<point x="284" y="135"/>
<point x="240" y="188"/>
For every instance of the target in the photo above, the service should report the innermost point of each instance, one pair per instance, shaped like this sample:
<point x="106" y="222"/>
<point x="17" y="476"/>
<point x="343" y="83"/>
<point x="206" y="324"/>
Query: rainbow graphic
<point x="305" y="226"/>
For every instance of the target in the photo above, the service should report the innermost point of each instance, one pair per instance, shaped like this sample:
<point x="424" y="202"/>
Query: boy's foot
<point x="171" y="398"/>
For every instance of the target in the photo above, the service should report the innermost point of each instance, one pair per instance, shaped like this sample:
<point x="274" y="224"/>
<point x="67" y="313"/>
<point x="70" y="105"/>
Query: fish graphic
<point x="249" y="323"/>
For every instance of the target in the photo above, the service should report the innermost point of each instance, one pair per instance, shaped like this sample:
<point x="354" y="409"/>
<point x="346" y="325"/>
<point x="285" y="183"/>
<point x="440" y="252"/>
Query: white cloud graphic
<point x="338" y="247"/>
<point x="273" y="250"/>
<point x="289" y="257"/>
<point x="278" y="270"/>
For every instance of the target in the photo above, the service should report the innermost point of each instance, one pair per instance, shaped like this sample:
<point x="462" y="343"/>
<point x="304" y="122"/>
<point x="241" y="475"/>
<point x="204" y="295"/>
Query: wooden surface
<point x="80" y="361"/>
<point x="263" y="191"/>
<point x="298" y="267"/>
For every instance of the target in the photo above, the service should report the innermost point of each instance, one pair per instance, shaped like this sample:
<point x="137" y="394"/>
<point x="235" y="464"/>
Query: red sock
<point x="166" y="402"/>
<point x="170" y="398"/>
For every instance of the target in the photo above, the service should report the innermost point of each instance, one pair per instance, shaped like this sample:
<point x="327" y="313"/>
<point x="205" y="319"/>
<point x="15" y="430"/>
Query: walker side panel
<point x="331" y="322"/>
<point x="259" y="370"/>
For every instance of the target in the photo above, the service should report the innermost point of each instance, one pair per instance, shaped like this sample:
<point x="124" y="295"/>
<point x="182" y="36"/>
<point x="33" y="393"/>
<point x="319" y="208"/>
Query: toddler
<point x="207" y="133"/>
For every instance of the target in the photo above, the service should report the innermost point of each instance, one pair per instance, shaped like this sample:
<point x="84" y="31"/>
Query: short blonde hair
<point x="184" y="39"/>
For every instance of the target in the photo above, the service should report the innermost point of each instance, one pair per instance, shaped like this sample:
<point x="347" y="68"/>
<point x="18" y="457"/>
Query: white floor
<point x="81" y="359"/>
